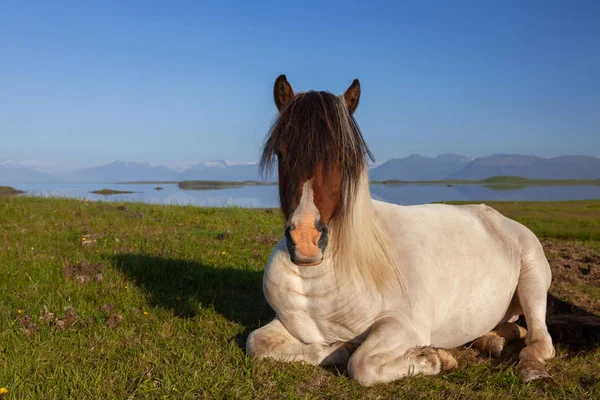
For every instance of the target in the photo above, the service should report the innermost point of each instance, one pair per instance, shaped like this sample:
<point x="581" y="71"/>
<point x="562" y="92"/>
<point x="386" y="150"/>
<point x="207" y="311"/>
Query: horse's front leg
<point x="275" y="341"/>
<point x="392" y="351"/>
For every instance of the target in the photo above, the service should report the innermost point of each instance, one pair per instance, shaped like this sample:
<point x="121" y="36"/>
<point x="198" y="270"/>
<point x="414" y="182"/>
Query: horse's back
<point x="456" y="221"/>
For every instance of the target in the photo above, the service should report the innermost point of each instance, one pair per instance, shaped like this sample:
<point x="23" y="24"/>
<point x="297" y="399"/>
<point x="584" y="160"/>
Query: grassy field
<point x="128" y="301"/>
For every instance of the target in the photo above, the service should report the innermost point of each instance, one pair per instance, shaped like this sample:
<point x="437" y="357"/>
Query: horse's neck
<point x="360" y="248"/>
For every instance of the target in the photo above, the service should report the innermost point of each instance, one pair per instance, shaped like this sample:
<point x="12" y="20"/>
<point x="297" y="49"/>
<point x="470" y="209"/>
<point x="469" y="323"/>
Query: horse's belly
<point x="473" y="316"/>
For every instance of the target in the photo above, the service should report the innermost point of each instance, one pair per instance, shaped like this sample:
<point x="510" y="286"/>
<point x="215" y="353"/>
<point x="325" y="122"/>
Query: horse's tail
<point x="572" y="326"/>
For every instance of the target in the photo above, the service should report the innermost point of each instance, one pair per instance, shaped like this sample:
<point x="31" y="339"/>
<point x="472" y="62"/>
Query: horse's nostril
<point x="320" y="227"/>
<point x="324" y="238"/>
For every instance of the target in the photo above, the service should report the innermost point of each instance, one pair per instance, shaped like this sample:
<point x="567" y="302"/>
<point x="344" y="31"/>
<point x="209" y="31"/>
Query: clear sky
<point x="89" y="82"/>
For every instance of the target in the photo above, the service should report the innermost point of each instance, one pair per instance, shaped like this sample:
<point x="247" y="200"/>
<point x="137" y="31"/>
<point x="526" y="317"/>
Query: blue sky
<point x="92" y="82"/>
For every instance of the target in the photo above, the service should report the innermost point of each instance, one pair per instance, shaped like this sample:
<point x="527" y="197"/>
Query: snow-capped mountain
<point x="15" y="172"/>
<point x="124" y="171"/>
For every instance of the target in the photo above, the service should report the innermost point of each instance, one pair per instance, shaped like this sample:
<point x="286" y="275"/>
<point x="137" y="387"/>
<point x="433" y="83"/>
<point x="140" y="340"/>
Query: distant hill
<point x="419" y="168"/>
<point x="15" y="174"/>
<point x="121" y="171"/>
<point x="531" y="167"/>
<point x="222" y="170"/>
<point x="412" y="168"/>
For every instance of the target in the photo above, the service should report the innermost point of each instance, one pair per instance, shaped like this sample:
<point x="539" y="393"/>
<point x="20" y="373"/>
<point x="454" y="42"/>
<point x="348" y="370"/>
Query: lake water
<point x="267" y="196"/>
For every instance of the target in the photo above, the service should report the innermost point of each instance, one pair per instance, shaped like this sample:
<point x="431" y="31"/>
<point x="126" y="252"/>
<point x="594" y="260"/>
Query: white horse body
<point x="461" y="266"/>
<point x="396" y="284"/>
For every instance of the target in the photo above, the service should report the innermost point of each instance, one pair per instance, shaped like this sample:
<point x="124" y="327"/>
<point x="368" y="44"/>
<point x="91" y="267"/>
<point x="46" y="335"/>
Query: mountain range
<point x="419" y="168"/>
<point x="11" y="173"/>
<point x="411" y="168"/>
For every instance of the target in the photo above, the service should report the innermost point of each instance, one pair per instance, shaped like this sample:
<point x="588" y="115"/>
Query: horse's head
<point x="320" y="154"/>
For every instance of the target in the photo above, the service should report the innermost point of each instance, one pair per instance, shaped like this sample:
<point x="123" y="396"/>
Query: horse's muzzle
<point x="307" y="244"/>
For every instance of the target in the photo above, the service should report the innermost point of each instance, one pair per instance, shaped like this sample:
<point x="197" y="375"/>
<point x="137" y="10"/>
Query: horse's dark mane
<point x="315" y="128"/>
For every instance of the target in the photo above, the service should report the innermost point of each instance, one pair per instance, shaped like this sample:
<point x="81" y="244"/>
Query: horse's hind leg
<point x="492" y="343"/>
<point x="534" y="281"/>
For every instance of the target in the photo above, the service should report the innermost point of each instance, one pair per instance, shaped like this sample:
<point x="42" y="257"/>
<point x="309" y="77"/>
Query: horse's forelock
<point x="315" y="129"/>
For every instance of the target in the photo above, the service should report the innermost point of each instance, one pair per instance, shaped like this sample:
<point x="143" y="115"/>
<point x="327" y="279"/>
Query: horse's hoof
<point x="447" y="360"/>
<point x="433" y="360"/>
<point x="491" y="345"/>
<point x="533" y="370"/>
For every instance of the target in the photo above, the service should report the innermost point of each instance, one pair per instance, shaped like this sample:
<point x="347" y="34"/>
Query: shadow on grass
<point x="185" y="287"/>
<point x="572" y="327"/>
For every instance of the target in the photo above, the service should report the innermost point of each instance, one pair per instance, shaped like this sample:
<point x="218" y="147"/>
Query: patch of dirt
<point x="27" y="326"/>
<point x="267" y="239"/>
<point x="573" y="265"/>
<point x="61" y="323"/>
<point x="135" y="214"/>
<point x="114" y="320"/>
<point x="88" y="240"/>
<point x="47" y="316"/>
<point x="84" y="272"/>
<point x="574" y="323"/>
<point x="222" y="236"/>
<point x="106" y="308"/>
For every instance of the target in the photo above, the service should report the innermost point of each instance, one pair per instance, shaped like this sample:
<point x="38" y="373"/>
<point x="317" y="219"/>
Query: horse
<point x="383" y="288"/>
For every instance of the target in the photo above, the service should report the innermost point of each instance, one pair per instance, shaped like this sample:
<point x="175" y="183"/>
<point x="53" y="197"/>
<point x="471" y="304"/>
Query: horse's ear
<point x="282" y="92"/>
<point x="352" y="95"/>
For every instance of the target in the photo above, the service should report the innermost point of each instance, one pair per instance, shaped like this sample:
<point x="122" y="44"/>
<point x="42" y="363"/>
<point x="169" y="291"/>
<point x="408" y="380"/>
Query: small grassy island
<point x="8" y="190"/>
<point x="202" y="185"/>
<point x="108" y="192"/>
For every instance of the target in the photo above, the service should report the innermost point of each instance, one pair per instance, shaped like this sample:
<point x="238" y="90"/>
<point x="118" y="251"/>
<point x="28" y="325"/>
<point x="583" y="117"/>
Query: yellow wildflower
<point x="145" y="312"/>
<point x="83" y="239"/>
<point x="20" y="311"/>
<point x="223" y="253"/>
<point x="3" y="391"/>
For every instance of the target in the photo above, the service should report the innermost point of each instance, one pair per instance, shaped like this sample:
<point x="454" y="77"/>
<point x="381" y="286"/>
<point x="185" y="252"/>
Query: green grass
<point x="187" y="283"/>
<point x="561" y="219"/>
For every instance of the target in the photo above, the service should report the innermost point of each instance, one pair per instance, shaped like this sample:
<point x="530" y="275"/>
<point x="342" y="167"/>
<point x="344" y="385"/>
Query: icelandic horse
<point x="382" y="287"/>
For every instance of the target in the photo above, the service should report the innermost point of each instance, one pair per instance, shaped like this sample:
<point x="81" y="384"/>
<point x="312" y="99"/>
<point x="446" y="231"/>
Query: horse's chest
<point x="317" y="310"/>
